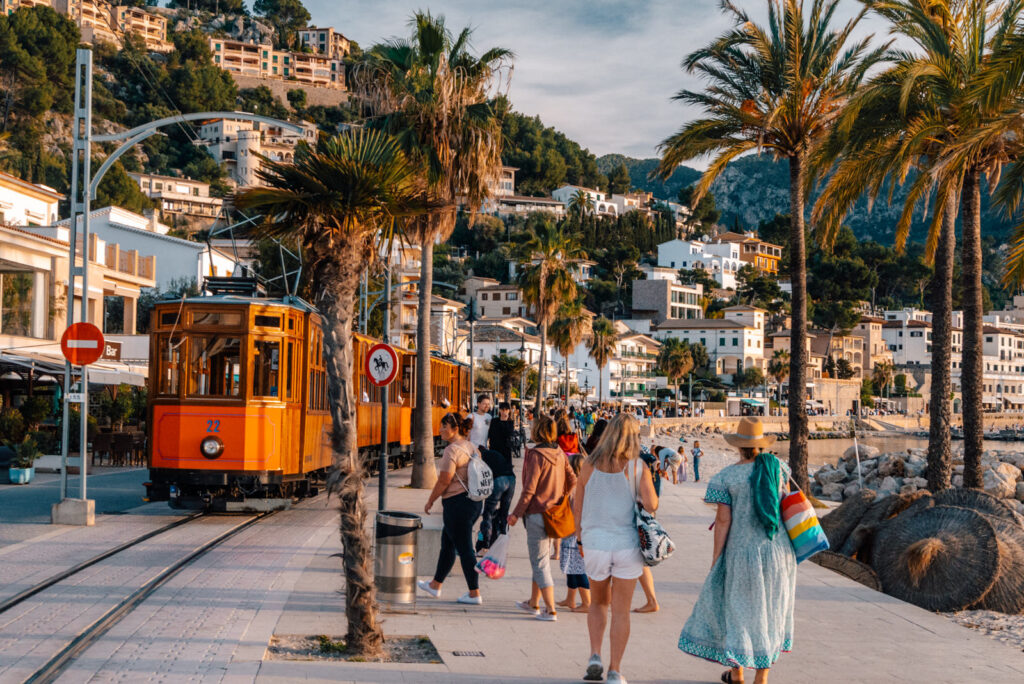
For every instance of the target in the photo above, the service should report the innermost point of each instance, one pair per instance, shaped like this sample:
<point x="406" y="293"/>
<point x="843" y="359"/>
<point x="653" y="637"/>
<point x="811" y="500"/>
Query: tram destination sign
<point x="82" y="344"/>
<point x="381" y="364"/>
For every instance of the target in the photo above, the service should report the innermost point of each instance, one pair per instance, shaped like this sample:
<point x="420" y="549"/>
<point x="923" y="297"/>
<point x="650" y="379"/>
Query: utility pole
<point x="471" y="319"/>
<point x="382" y="463"/>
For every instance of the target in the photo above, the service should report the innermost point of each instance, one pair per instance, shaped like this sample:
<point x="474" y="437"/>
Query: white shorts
<point x="626" y="564"/>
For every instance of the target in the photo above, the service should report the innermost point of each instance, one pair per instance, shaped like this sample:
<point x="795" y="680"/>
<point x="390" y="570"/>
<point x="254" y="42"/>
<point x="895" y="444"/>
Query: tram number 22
<point x="213" y="426"/>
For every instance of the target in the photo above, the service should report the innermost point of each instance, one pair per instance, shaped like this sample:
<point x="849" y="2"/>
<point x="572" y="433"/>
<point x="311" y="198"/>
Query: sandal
<point x="727" y="678"/>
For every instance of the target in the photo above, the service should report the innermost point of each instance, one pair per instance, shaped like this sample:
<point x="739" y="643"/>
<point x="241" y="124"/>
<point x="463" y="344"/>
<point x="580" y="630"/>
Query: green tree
<point x="434" y="95"/>
<point x="698" y="276"/>
<point x="602" y="348"/>
<point x="261" y="100"/>
<point x="118" y="189"/>
<point x="676" y="362"/>
<point x="221" y="6"/>
<point x="749" y="377"/>
<point x="619" y="182"/>
<point x="703" y="215"/>
<point x="844" y="369"/>
<point x="297" y="99"/>
<point x="286" y="16"/>
<point x="571" y="324"/>
<point x="335" y="202"/>
<point x="509" y="370"/>
<point x="777" y="88"/>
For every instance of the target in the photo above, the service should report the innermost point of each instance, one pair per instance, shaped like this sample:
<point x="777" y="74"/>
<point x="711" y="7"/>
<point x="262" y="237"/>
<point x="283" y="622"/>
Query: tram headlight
<point x="211" y="447"/>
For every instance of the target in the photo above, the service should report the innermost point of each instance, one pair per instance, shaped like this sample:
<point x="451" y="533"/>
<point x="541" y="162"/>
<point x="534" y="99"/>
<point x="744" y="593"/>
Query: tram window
<point x="407" y="378"/>
<point x="217" y="319"/>
<point x="170" y="352"/>
<point x="288" y="371"/>
<point x="266" y="368"/>
<point x="267" y="321"/>
<point x="169" y="318"/>
<point x="215" y="367"/>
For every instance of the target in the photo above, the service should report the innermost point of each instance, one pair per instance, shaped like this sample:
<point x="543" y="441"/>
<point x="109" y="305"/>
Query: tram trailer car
<point x="238" y="403"/>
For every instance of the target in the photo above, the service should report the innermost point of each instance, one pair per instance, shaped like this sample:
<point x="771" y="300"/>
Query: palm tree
<point x="508" y="369"/>
<point x="334" y="203"/>
<point x="882" y="375"/>
<point x="551" y="257"/>
<point x="912" y="115"/>
<point x="601" y="346"/>
<point x="572" y="322"/>
<point x="676" y="362"/>
<point x="779" y="89"/>
<point x="579" y="206"/>
<point x="436" y="98"/>
<point x="778" y="369"/>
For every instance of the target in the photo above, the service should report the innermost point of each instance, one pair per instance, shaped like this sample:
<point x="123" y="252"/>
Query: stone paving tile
<point x="33" y="631"/>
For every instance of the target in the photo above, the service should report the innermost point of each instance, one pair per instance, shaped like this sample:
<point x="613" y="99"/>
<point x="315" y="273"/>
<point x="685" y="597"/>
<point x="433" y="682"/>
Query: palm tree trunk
<point x="337" y="304"/>
<point x="798" y="433"/>
<point x="424" y="472"/>
<point x="543" y="361"/>
<point x="940" y="457"/>
<point x="600" y="385"/>
<point x="972" y="369"/>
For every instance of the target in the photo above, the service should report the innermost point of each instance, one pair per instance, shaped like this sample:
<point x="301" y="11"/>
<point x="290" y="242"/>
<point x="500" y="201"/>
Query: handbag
<point x="493" y="563"/>
<point x="802" y="525"/>
<point x="655" y="544"/>
<point x="559" y="522"/>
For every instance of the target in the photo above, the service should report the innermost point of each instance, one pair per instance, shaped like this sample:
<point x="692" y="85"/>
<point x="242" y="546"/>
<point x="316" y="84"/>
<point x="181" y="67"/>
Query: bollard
<point x="394" y="563"/>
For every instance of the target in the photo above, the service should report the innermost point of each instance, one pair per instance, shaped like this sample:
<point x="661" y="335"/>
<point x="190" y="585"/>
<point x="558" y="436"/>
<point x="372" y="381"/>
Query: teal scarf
<point x="764" y="482"/>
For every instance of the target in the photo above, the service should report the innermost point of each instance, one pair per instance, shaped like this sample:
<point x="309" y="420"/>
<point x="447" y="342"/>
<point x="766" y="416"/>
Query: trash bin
<point x="394" y="563"/>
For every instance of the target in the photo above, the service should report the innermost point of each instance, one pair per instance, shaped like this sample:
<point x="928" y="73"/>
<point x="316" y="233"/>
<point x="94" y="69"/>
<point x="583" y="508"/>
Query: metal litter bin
<point x="394" y="563"/>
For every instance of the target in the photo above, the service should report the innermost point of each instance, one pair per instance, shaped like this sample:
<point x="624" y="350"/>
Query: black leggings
<point x="459" y="515"/>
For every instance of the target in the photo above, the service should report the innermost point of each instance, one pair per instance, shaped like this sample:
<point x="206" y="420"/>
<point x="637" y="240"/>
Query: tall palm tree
<point x="778" y="369"/>
<point x="676" y="362"/>
<point x="508" y="369"/>
<point x="436" y="98"/>
<point x="602" y="347"/>
<point x="882" y="375"/>
<point x="910" y="116"/>
<point x="334" y="202"/>
<point x="777" y="88"/>
<point x="571" y="324"/>
<point x="550" y="255"/>
<point x="579" y="206"/>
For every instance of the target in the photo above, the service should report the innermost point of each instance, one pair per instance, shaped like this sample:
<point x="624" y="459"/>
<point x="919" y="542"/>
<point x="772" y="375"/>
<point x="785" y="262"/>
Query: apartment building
<point x="600" y="203"/>
<point x="152" y="28"/>
<point x="27" y="204"/>
<point x="261" y="60"/>
<point x="849" y="347"/>
<point x="499" y="301"/>
<point x="764" y="256"/>
<point x="9" y="7"/>
<point x="733" y="343"/>
<point x="660" y="296"/>
<point x="180" y="198"/>
<point x="869" y="329"/>
<point x="325" y="41"/>
<point x="238" y="143"/>
<point x="93" y="18"/>
<point x="719" y="260"/>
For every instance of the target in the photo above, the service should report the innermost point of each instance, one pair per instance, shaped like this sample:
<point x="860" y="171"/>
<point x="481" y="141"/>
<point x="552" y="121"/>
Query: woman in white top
<point x="610" y="481"/>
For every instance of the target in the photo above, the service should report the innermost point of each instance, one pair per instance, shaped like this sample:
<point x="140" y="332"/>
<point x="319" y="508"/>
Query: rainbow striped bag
<point x="802" y="525"/>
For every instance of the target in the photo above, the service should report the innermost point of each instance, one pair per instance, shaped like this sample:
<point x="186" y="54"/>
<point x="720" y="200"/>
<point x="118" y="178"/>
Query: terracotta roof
<point x="697" y="323"/>
<point x="31" y="187"/>
<point x="63" y="243"/>
<point x="909" y="324"/>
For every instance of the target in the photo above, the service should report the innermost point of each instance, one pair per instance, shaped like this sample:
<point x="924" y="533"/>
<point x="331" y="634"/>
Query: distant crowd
<point x="588" y="493"/>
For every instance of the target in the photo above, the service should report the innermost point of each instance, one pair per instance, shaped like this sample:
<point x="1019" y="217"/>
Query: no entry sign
<point x="381" y="364"/>
<point x="82" y="344"/>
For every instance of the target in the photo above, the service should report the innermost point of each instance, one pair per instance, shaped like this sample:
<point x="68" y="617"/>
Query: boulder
<point x="919" y="482"/>
<point x="915" y="465"/>
<point x="908" y="489"/>
<point x="1019" y="494"/>
<point x="864" y="450"/>
<point x="998" y="484"/>
<point x="958" y="480"/>
<point x="1009" y="470"/>
<point x="832" y="491"/>
<point x="888" y="485"/>
<point x="851" y="490"/>
<point x="958" y="469"/>
<point x="825" y="477"/>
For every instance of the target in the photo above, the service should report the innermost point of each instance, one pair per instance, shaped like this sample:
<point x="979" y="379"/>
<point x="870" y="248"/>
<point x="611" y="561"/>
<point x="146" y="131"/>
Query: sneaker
<point x="525" y="605"/>
<point x="471" y="600"/>
<point x="425" y="586"/>
<point x="546" y="616"/>
<point x="615" y="678"/>
<point x="595" y="670"/>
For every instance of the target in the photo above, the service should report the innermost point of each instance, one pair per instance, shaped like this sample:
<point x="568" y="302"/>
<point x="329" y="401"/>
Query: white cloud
<point x="603" y="72"/>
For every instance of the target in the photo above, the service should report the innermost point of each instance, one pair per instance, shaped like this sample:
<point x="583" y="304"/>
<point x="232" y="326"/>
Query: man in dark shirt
<point x="498" y="458"/>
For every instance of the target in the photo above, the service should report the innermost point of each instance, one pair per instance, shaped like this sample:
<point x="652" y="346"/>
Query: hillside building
<point x="261" y="60"/>
<point x="180" y="199"/>
<point x="719" y="260"/>
<point x="27" y="204"/>
<point x="764" y="256"/>
<point x="660" y="296"/>
<point x="237" y="144"/>
<point x="325" y="41"/>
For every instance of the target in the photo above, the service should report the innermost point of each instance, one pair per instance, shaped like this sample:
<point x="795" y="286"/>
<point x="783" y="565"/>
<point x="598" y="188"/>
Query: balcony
<point x="636" y="355"/>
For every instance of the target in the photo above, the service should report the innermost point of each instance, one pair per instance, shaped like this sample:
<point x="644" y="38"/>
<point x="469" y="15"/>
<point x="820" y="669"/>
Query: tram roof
<point x="290" y="302"/>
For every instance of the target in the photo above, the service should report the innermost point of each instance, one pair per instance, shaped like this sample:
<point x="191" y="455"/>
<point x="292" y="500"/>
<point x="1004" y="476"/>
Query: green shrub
<point x="25" y="453"/>
<point x="12" y="425"/>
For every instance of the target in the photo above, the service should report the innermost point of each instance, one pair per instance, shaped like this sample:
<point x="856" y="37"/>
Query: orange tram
<point x="238" y="413"/>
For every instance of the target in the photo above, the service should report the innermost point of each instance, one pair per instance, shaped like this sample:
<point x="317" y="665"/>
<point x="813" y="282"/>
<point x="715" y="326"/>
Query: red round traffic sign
<point x="82" y="344"/>
<point x="381" y="365"/>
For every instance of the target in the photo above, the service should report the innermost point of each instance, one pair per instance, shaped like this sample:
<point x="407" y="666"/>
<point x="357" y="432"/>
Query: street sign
<point x="381" y="364"/>
<point x="82" y="344"/>
<point x="111" y="351"/>
<point x="75" y="397"/>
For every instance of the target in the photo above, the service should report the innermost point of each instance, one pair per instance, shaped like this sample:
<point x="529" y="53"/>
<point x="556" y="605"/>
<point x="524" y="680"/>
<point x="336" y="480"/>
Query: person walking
<point x="547" y="479"/>
<point x="571" y="561"/>
<point x="595" y="435"/>
<point x="458" y="510"/>
<point x="696" y="454"/>
<point x="568" y="438"/>
<point x="611" y="480"/>
<point x="744" y="614"/>
<point x="494" y="520"/>
<point x="481" y="422"/>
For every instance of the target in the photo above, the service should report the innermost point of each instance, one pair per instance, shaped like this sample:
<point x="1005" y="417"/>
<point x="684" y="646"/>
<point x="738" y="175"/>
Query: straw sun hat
<point x="749" y="434"/>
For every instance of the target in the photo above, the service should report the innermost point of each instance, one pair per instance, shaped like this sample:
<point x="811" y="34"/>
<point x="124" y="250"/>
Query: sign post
<point x="82" y="344"/>
<point x="381" y="368"/>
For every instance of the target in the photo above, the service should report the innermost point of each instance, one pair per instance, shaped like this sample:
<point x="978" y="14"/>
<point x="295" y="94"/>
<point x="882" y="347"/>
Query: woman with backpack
<point x="611" y="480"/>
<point x="460" y="512"/>
<point x="547" y="481"/>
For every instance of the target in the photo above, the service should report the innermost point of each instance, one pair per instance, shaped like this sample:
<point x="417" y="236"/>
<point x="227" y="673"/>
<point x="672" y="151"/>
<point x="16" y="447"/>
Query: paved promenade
<point x="212" y="622"/>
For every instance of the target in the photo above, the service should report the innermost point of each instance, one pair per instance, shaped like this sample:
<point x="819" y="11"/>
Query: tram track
<point x="76" y="639"/>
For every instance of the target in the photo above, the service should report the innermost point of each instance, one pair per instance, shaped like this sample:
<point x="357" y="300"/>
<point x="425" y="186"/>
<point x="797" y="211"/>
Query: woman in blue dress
<point x="744" y="615"/>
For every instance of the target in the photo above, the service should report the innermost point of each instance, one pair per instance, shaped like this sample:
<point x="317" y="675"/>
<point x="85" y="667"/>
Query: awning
<point x="991" y="400"/>
<point x="105" y="373"/>
<point x="754" y="402"/>
<point x="814" y="403"/>
<point x="1014" y="400"/>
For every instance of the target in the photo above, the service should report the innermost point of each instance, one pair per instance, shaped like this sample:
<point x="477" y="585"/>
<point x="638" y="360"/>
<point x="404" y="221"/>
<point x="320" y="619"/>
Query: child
<point x="571" y="563"/>
<point x="696" y="453"/>
<point x="680" y="474"/>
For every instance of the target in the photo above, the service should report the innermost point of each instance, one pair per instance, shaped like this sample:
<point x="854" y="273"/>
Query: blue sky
<point x="601" y="71"/>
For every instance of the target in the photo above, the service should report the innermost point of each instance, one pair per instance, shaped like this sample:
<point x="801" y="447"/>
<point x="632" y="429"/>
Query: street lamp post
<point x="522" y="390"/>
<point x="471" y="319"/>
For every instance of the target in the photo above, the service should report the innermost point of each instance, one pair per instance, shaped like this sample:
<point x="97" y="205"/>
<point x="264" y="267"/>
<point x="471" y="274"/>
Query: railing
<point x="637" y="355"/>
